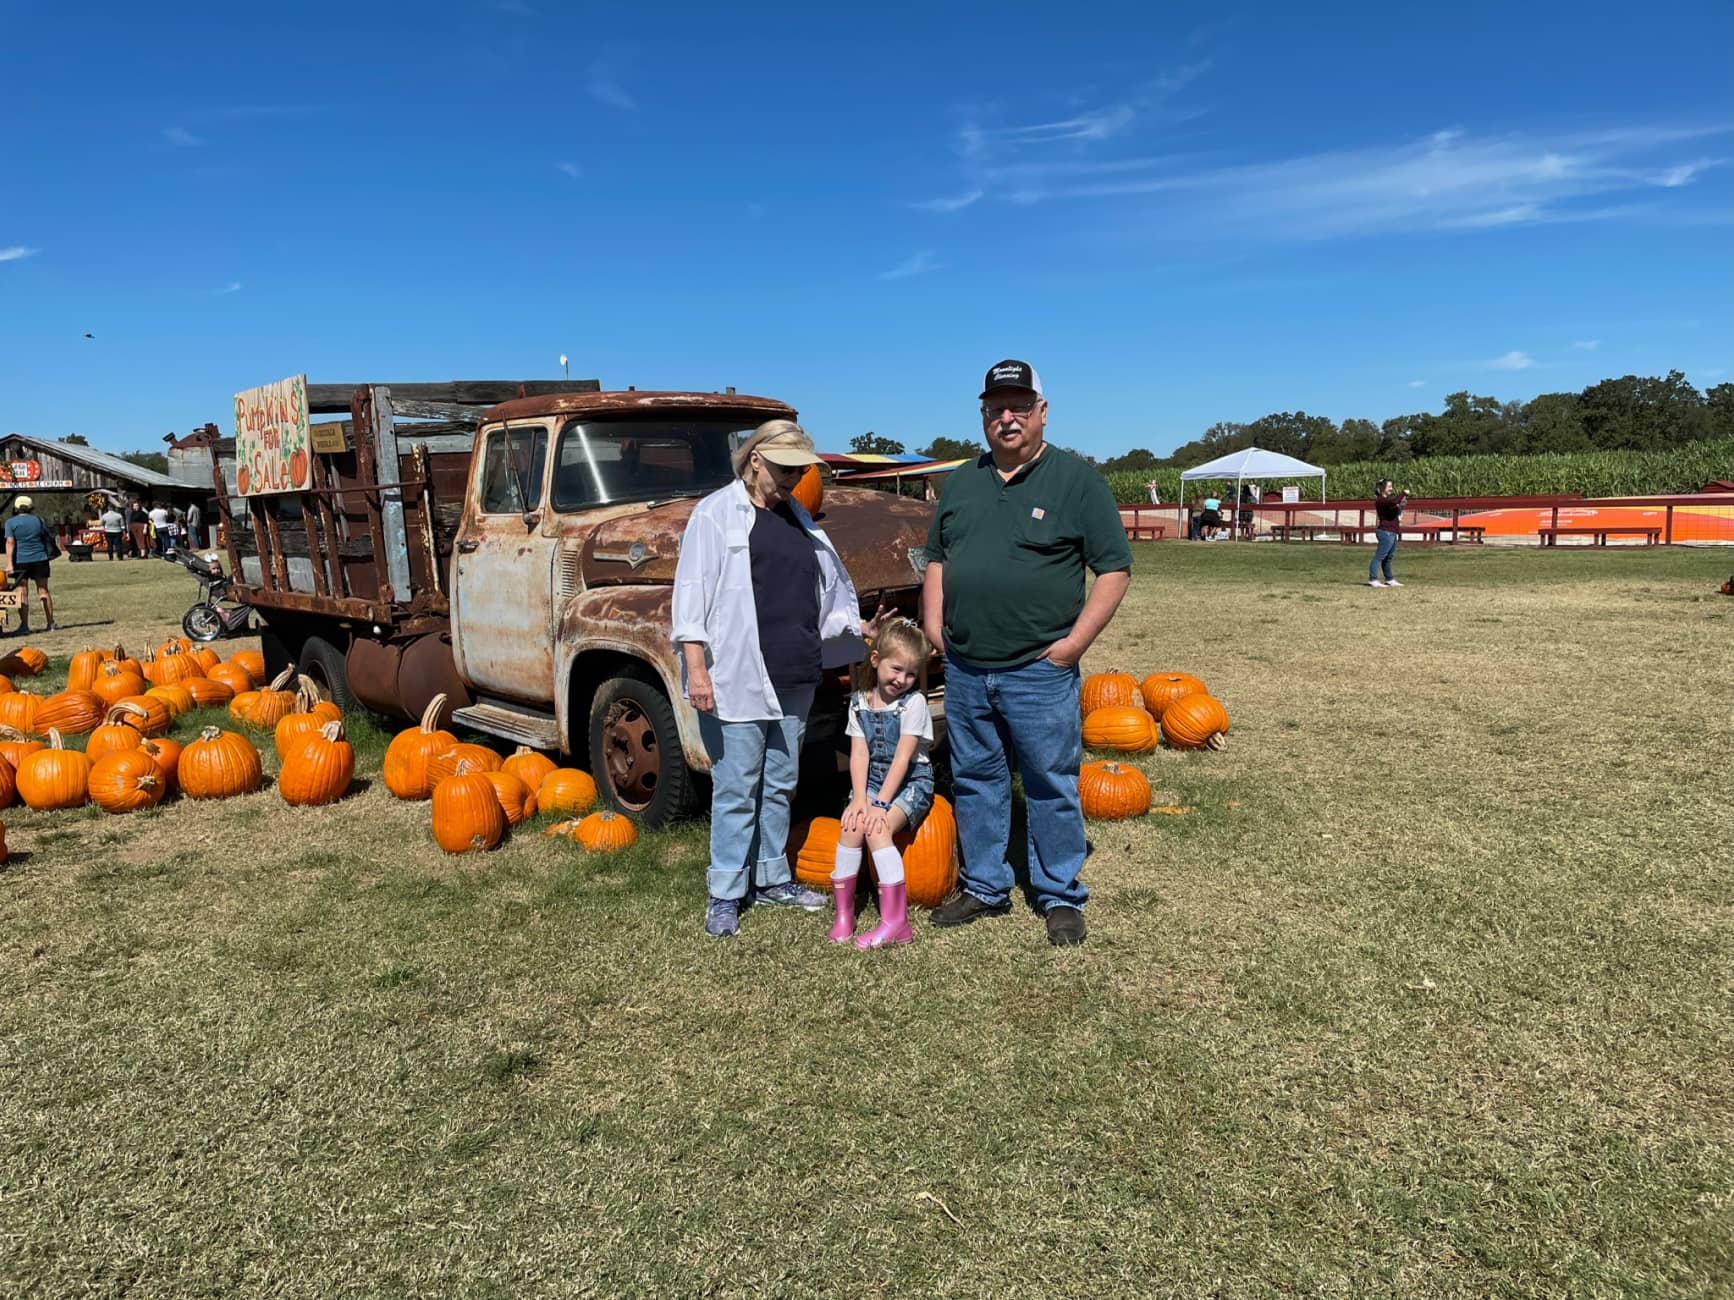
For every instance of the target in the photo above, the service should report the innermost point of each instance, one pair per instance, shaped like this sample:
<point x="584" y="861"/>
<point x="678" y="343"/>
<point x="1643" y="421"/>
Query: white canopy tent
<point x="1252" y="463"/>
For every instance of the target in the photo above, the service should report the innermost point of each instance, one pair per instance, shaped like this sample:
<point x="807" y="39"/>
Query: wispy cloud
<point x="1512" y="361"/>
<point x="1448" y="180"/>
<point x="1587" y="345"/>
<point x="955" y="204"/>
<point x="920" y="264"/>
<point x="17" y="253"/>
<point x="234" y="286"/>
<point x="1417" y="383"/>
<point x="604" y="86"/>
<point x="571" y="169"/>
<point x="180" y="136"/>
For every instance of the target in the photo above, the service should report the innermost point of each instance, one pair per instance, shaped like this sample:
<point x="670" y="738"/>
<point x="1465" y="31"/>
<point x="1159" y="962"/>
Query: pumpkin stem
<point x="54" y="741"/>
<point x="148" y="781"/>
<point x="1217" y="741"/>
<point x="333" y="731"/>
<point x="210" y="733"/>
<point x="282" y="679"/>
<point x="430" y="716"/>
<point x="117" y="714"/>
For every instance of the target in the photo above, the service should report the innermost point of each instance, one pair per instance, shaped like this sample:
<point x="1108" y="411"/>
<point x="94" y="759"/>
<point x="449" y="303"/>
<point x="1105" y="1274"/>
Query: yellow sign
<point x="330" y="439"/>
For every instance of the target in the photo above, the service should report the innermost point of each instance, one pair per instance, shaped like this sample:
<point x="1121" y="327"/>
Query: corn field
<point x="1590" y="474"/>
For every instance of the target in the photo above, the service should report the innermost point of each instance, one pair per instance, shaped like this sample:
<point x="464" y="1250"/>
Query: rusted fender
<point x="632" y="621"/>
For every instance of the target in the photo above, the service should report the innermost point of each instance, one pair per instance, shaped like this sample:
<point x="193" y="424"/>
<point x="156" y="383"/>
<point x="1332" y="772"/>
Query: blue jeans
<point x="1030" y="712"/>
<point x="1382" y="554"/>
<point x="753" y="766"/>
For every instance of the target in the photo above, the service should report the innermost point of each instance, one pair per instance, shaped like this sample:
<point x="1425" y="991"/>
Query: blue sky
<point x="1179" y="214"/>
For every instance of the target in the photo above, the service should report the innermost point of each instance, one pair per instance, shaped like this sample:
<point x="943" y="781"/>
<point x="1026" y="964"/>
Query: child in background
<point x="892" y="777"/>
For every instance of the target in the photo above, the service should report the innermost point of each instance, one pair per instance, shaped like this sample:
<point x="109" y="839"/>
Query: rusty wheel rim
<point x="629" y="743"/>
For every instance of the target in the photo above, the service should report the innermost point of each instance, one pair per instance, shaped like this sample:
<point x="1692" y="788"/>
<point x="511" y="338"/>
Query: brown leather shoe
<point x="964" y="909"/>
<point x="1066" y="927"/>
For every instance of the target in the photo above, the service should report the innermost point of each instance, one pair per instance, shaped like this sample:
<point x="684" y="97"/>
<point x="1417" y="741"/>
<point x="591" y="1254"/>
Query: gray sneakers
<point x="789" y="894"/>
<point x="722" y="918"/>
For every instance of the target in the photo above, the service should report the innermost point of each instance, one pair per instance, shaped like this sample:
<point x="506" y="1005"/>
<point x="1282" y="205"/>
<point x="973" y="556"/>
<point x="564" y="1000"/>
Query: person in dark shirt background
<point x="1389" y="503"/>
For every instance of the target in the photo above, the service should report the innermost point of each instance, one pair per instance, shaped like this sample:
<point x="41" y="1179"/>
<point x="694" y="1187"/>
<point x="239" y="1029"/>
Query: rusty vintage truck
<point x="512" y="546"/>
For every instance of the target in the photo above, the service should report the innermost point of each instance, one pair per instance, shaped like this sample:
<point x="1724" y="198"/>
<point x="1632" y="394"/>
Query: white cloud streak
<point x="1587" y="345"/>
<point x="605" y="87"/>
<point x="17" y="253"/>
<point x="1512" y="361"/>
<point x="1417" y="383"/>
<point x="920" y="264"/>
<point x="954" y="204"/>
<point x="182" y="138"/>
<point x="571" y="169"/>
<point x="234" y="286"/>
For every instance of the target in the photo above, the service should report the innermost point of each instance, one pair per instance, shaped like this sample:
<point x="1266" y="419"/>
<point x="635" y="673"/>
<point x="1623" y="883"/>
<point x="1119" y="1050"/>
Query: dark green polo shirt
<point x="1015" y="554"/>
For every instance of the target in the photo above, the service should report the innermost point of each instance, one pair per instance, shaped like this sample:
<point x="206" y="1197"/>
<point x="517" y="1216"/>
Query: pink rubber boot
<point x="893" y="924"/>
<point x="843" y="891"/>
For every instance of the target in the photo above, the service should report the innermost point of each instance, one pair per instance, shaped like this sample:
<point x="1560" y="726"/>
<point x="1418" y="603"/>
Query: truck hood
<point x="874" y="532"/>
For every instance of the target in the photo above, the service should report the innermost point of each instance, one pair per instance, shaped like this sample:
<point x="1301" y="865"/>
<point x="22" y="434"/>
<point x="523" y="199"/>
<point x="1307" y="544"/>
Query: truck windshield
<point x="600" y="462"/>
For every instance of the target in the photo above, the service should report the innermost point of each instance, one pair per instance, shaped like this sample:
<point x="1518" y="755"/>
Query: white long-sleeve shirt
<point x="713" y="604"/>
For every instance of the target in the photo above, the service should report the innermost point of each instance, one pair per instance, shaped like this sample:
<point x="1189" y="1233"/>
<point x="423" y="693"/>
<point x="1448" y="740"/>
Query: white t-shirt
<point x="917" y="720"/>
<point x="160" y="517"/>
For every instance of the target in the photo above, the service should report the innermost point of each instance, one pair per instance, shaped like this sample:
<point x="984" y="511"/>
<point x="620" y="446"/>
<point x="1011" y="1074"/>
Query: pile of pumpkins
<point x="475" y="794"/>
<point x="1128" y="716"/>
<point x="126" y="707"/>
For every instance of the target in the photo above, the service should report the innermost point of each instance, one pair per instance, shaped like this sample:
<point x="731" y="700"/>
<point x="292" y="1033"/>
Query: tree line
<point x="1632" y="413"/>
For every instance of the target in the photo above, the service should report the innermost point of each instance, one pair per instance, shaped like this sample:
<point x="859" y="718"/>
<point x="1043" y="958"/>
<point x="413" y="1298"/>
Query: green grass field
<point x="1428" y="995"/>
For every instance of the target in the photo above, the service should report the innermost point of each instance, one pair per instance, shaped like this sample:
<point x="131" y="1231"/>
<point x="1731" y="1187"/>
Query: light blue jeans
<point x="1031" y="712"/>
<point x="753" y="766"/>
<point x="1382" y="554"/>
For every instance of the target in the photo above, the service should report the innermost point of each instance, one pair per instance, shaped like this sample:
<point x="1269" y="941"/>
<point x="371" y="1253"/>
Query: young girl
<point x="892" y="777"/>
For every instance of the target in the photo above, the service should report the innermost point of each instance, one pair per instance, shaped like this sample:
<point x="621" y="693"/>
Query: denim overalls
<point x="883" y="728"/>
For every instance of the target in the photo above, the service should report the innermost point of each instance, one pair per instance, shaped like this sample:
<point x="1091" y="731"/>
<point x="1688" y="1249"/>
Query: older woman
<point x="762" y="606"/>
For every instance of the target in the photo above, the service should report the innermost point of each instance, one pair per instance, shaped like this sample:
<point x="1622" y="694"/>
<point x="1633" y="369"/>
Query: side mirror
<point x="531" y="519"/>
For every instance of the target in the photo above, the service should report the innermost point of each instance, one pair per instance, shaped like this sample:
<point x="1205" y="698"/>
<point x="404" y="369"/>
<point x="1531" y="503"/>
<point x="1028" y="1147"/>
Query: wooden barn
<point x="30" y="464"/>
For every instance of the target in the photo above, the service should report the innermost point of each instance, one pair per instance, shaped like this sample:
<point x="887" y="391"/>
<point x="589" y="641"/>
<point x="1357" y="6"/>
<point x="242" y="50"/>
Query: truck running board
<point x="516" y="722"/>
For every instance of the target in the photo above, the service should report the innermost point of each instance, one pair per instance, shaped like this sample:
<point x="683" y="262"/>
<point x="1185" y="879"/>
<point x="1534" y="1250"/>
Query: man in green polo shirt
<point x="1004" y="600"/>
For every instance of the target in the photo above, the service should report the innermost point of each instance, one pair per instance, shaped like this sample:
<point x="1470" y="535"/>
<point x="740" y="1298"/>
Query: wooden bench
<point x="1599" y="533"/>
<point x="1357" y="533"/>
<point x="1146" y="532"/>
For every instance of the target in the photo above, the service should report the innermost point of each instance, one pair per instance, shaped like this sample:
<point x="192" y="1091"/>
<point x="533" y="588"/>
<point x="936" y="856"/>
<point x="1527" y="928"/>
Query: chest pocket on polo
<point x="1043" y="534"/>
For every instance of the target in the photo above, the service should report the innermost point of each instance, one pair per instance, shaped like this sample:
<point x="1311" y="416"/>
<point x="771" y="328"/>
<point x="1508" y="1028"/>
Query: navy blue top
<point x="30" y="538"/>
<point x="786" y="598"/>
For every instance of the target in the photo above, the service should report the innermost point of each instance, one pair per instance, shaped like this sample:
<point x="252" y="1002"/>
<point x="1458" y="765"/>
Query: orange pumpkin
<point x="406" y="758"/>
<point x="7" y="685"/>
<point x="125" y="781"/>
<point x="605" y="832"/>
<point x="310" y="714"/>
<point x="566" y="790"/>
<point x="528" y="766"/>
<point x="1103" y="690"/>
<point x="1162" y="689"/>
<point x="208" y="693"/>
<point x="1122" y="727"/>
<point x="149" y="716"/>
<point x="930" y="855"/>
<point x="15" y="746"/>
<point x="206" y="658"/>
<point x="813" y="851"/>
<point x="268" y="706"/>
<point x="166" y="754"/>
<point x="1195" y="722"/>
<point x="445" y="763"/>
<point x="114" y="735"/>
<point x="8" y="784"/>
<point x="251" y="662"/>
<point x="219" y="764"/>
<point x="75" y="713"/>
<point x="172" y="665"/>
<point x="467" y="817"/>
<point x="114" y="683"/>
<point x="26" y="661"/>
<point x="1110" y="791"/>
<point x="517" y="800"/>
<point x="18" y="710"/>
<point x="233" y="676"/>
<point x="177" y="697"/>
<point x="126" y="662"/>
<point x="319" y="769"/>
<point x="55" y="777"/>
<point x="81" y="672"/>
<point x="809" y="490"/>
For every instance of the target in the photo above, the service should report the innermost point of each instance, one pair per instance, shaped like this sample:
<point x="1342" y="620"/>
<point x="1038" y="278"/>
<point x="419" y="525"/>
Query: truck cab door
<point x="503" y="566"/>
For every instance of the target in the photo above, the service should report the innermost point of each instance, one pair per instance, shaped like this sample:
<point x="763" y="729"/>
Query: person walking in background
<point x="113" y="531"/>
<point x="195" y="529"/>
<point x="27" y="543"/>
<point x="138" y="525"/>
<point x="1389" y="503"/>
<point x="762" y="606"/>
<point x="1003" y="599"/>
<point x="159" y="521"/>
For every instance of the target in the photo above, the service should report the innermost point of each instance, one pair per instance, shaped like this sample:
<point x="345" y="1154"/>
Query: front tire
<point x="202" y="623"/>
<point x="635" y="752"/>
<point x="324" y="663"/>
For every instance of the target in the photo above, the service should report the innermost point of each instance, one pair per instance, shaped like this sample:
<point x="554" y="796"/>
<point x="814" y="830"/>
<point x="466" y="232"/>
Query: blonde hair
<point x="903" y="634"/>
<point x="743" y="456"/>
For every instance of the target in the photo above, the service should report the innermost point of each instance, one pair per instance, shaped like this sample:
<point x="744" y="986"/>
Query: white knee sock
<point x="888" y="862"/>
<point x="848" y="863"/>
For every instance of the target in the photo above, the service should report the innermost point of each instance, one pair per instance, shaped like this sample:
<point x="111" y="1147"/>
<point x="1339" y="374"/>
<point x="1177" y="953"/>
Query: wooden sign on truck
<point x="273" y="445"/>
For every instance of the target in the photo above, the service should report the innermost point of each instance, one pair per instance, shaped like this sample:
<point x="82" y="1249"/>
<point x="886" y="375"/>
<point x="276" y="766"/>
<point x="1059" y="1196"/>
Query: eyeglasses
<point x="1022" y="409"/>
